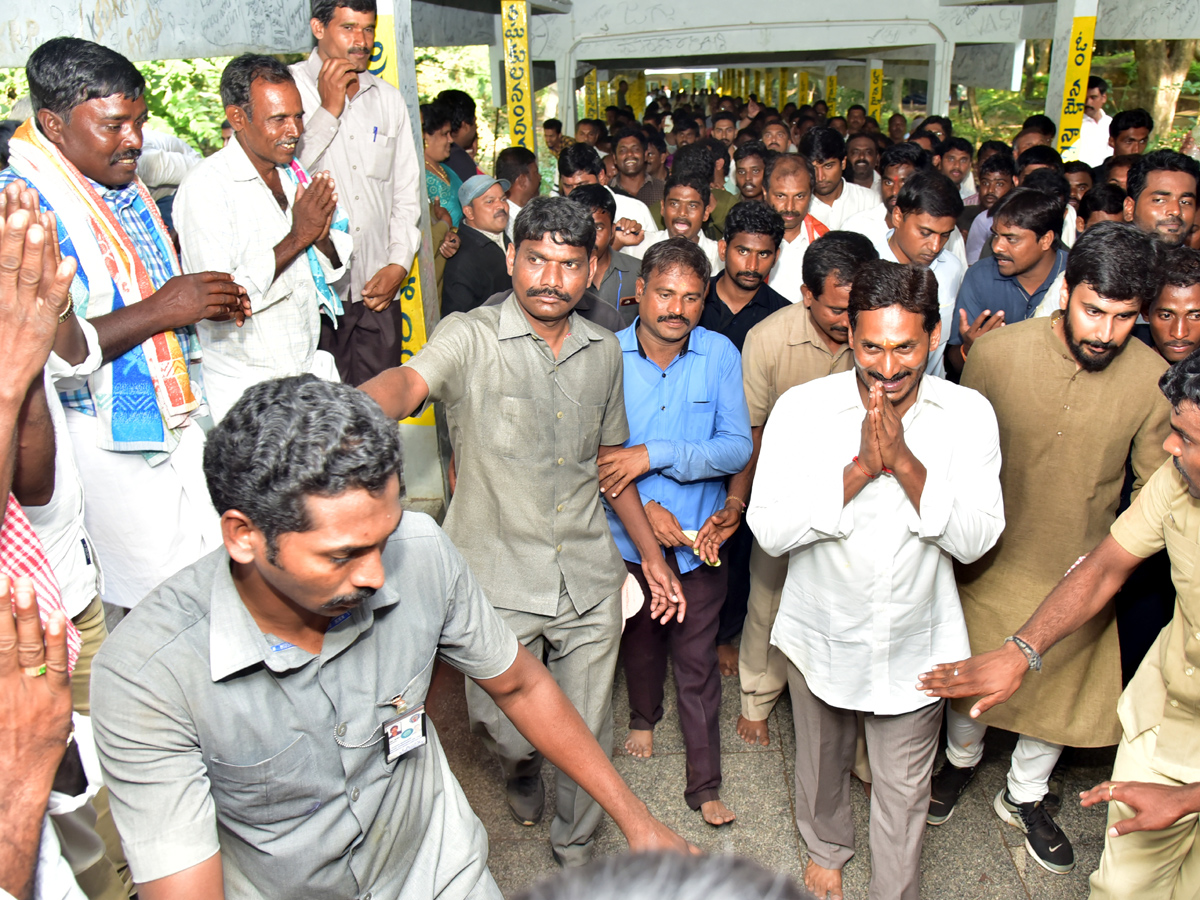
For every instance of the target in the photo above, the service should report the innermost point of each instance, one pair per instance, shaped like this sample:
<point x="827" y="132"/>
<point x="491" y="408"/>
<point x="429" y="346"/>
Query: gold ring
<point x="1110" y="794"/>
<point x="956" y="673"/>
<point x="35" y="671"/>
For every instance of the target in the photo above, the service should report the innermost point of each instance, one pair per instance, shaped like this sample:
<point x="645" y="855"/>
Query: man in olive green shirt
<point x="534" y="396"/>
<point x="1152" y="846"/>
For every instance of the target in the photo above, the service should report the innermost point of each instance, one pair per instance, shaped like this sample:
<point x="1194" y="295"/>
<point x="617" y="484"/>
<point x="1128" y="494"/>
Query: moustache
<point x="684" y="319"/>
<point x="755" y="277"/>
<point x="681" y="222"/>
<point x="349" y="601"/>
<point x="549" y="292"/>
<point x="133" y="153"/>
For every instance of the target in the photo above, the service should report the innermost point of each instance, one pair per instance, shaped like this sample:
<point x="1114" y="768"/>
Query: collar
<point x="115" y="196"/>
<point x="514" y="323"/>
<point x="240" y="167"/>
<point x="929" y="391"/>
<point x="886" y="251"/>
<point x="630" y="343"/>
<point x="714" y="297"/>
<point x="312" y="68"/>
<point x="804" y="331"/>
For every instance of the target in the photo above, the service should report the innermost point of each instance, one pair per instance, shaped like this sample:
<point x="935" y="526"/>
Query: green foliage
<point x="184" y="96"/>
<point x="13" y="86"/>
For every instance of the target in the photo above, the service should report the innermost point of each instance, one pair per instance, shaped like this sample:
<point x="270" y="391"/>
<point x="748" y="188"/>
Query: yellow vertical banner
<point x="831" y="94"/>
<point x="412" y="306"/>
<point x="636" y="96"/>
<point x="514" y="21"/>
<point x="803" y="94"/>
<point x="591" y="95"/>
<point x="875" y="101"/>
<point x="1079" y="64"/>
<point x="783" y="87"/>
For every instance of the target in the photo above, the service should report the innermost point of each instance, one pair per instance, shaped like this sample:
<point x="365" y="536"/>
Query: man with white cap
<point x="479" y="268"/>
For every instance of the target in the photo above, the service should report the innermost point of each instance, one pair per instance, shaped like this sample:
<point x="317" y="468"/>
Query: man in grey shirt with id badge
<point x="260" y="716"/>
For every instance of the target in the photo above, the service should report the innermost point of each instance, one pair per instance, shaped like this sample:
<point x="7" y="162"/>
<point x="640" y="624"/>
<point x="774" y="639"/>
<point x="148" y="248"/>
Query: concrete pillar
<point x="564" y="76"/>
<point x="1070" y="62"/>
<point x="897" y="96"/>
<point x="831" y="83"/>
<point x="938" y="98"/>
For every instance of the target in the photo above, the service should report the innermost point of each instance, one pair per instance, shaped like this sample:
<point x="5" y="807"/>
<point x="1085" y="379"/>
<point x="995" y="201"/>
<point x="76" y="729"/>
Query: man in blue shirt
<point x="688" y="428"/>
<point x="1009" y="285"/>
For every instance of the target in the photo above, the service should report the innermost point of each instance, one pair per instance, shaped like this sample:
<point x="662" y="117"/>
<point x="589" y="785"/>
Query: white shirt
<point x="513" y="210"/>
<point x="870" y="599"/>
<point x="949" y="272"/>
<point x="967" y="188"/>
<point x="1092" y="144"/>
<point x="228" y="221"/>
<point x="59" y="524"/>
<point x="873" y="224"/>
<point x="707" y="244"/>
<point x="787" y="275"/>
<point x="164" y="162"/>
<point x="633" y="208"/>
<point x="854" y="198"/>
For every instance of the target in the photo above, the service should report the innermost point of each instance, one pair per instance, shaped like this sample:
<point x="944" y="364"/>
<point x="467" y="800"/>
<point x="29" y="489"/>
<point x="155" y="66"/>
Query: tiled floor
<point x="973" y="856"/>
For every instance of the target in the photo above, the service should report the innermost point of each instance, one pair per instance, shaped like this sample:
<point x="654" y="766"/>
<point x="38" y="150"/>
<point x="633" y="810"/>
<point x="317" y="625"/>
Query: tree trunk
<point x="973" y="111"/>
<point x="1162" y="67"/>
<point x="1037" y="62"/>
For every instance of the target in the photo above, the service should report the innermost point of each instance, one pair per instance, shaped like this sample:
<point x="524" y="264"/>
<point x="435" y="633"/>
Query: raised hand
<point x="313" y="208"/>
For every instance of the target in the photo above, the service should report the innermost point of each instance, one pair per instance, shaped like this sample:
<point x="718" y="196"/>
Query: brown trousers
<point x="364" y="343"/>
<point x="692" y="645"/>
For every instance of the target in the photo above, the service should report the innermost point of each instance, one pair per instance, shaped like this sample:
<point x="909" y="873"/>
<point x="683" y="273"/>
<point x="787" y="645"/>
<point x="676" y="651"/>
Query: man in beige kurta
<point x="1067" y="427"/>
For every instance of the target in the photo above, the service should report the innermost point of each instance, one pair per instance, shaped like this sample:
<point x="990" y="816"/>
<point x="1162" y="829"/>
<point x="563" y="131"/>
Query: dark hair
<point x="840" y="252"/>
<point x="1000" y="163"/>
<point x="630" y="131"/>
<point x="1130" y="118"/>
<point x="1049" y="182"/>
<point x="841" y="119"/>
<point x="1181" y="383"/>
<point x="288" y="439"/>
<point x="864" y="136"/>
<point x="724" y="116"/>
<point x="696" y="160"/>
<point x="675" y="253"/>
<point x="821" y="144"/>
<point x="553" y="125"/>
<point x="241" y="73"/>
<point x="513" y="162"/>
<point x="595" y="198"/>
<point x="685" y="123"/>
<point x="862" y="109"/>
<point x="789" y="164"/>
<point x="905" y="153"/>
<point x="934" y="141"/>
<point x="462" y="107"/>
<point x="879" y="284"/>
<point x="958" y="143"/>
<point x="1078" y="167"/>
<point x="1115" y="162"/>
<point x="434" y="117"/>
<point x="995" y="147"/>
<point x="1042" y="124"/>
<point x="1180" y="267"/>
<point x="565" y="222"/>
<point x="1031" y="209"/>
<point x="1040" y="155"/>
<point x="1118" y="261"/>
<point x="753" y="218"/>
<point x="1158" y="161"/>
<point x="751" y="148"/>
<point x="657" y="141"/>
<point x="945" y="123"/>
<point x="931" y="193"/>
<point x="898" y="115"/>
<point x="579" y="157"/>
<point x="1095" y="81"/>
<point x="689" y="177"/>
<point x="65" y="72"/>
<point x="7" y="128"/>
<point x="322" y="10"/>
<point x="1105" y="197"/>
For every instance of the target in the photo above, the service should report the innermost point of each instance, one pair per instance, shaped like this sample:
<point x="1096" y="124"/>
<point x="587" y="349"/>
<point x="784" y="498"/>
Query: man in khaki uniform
<point x="1152" y="846"/>
<point x="1073" y="395"/>
<point x="790" y="347"/>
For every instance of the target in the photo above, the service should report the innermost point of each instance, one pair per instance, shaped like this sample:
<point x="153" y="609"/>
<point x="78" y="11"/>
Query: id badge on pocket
<point x="405" y="733"/>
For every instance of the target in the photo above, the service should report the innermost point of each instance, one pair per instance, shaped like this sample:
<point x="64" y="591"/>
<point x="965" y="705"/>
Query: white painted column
<point x="938" y="94"/>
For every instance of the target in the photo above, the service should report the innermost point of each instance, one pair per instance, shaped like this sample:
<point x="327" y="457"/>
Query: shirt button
<point x="356" y="196"/>
<point x="560" y="460"/>
<point x="1060" y="434"/>
<point x="354" y="795"/>
<point x="560" y="509"/>
<point x="367" y="896"/>
<point x="341" y="730"/>
<point x="1065" y="407"/>
<point x="1189" y="671"/>
<point x="560" y="415"/>
<point x="1175" y="703"/>
<point x="558" y="549"/>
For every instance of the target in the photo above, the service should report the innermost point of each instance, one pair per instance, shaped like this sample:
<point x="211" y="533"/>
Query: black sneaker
<point x="945" y="789"/>
<point x="526" y="797"/>
<point x="1044" y="840"/>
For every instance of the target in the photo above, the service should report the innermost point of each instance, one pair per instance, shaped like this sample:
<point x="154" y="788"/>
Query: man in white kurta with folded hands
<point x="873" y="482"/>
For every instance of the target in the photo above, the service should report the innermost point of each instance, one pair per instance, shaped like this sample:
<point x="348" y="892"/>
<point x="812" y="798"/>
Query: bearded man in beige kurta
<point x="1075" y="397"/>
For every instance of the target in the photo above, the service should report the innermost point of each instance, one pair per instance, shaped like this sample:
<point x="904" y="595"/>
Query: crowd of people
<point x="882" y="420"/>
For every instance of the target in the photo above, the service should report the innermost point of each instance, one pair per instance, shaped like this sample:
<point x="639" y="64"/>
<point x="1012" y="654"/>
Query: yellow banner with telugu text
<point x="1079" y="64"/>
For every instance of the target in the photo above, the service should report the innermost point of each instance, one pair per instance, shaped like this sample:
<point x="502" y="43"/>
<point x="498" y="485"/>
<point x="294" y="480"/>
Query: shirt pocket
<point x="383" y="153"/>
<point x="275" y="790"/>
<point x="512" y="428"/>
<point x="1183" y="553"/>
<point x="700" y="413"/>
<point x="590" y="418"/>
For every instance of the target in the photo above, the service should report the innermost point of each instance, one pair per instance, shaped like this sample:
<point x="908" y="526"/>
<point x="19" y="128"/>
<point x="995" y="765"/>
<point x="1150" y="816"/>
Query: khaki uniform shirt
<point x="526" y="428"/>
<point x="1065" y="435"/>
<point x="783" y="350"/>
<point x="1165" y="692"/>
<point x="371" y="154"/>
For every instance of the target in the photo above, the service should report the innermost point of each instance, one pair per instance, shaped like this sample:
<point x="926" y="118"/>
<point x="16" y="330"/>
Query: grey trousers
<point x="580" y="650"/>
<point x="902" y="748"/>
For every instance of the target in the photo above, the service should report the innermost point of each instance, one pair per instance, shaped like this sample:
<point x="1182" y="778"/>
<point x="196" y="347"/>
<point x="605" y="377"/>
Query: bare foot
<point x="727" y="659"/>
<point x="753" y="732"/>
<point x="825" y="883"/>
<point x="716" y="813"/>
<point x="640" y="743"/>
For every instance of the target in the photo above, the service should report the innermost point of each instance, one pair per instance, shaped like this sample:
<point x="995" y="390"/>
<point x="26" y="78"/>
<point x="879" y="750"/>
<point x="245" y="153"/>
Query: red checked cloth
<point x="21" y="555"/>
